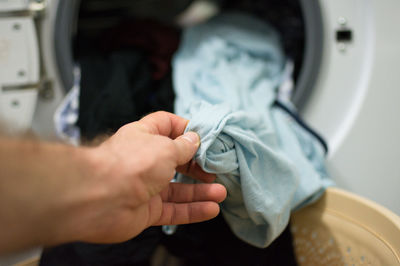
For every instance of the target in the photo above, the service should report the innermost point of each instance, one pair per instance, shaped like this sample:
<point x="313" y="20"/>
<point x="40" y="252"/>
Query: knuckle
<point x="121" y="130"/>
<point x="160" y="114"/>
<point x="125" y="129"/>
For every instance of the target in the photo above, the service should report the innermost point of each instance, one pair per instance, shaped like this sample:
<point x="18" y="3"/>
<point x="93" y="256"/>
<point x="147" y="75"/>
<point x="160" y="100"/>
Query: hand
<point x="52" y="193"/>
<point x="131" y="180"/>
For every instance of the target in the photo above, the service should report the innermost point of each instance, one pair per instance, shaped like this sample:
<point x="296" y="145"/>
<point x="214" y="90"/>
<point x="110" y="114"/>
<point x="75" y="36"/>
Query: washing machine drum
<point x="299" y="23"/>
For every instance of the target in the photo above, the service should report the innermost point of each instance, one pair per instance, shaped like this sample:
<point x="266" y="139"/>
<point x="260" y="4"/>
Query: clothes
<point x="209" y="243"/>
<point x="226" y="72"/>
<point x="136" y="251"/>
<point x="117" y="89"/>
<point x="212" y="243"/>
<point x="286" y="16"/>
<point x="125" y="74"/>
<point x="156" y="41"/>
<point x="66" y="115"/>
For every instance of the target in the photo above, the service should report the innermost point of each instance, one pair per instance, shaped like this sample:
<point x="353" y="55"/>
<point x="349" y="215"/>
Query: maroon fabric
<point x="159" y="42"/>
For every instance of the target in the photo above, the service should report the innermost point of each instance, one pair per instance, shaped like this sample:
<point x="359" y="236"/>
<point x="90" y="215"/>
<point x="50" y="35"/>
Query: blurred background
<point x="344" y="58"/>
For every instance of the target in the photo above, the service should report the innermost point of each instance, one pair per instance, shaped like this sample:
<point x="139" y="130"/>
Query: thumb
<point x="187" y="146"/>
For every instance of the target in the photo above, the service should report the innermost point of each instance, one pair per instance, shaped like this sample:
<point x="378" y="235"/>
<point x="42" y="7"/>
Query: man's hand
<point x="135" y="167"/>
<point x="52" y="193"/>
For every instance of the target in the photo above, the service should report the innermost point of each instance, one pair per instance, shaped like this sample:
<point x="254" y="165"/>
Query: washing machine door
<point x="32" y="76"/>
<point x="354" y="102"/>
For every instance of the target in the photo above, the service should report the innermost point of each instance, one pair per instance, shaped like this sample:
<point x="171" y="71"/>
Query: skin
<point x="52" y="193"/>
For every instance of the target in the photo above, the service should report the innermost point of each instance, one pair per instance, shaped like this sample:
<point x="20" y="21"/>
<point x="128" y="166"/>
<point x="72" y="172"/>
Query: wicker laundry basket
<point x="345" y="229"/>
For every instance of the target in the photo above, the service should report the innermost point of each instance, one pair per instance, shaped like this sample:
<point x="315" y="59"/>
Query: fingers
<point x="186" y="147"/>
<point x="180" y="193"/>
<point x="193" y="170"/>
<point x="165" y="124"/>
<point x="184" y="213"/>
<point x="190" y="203"/>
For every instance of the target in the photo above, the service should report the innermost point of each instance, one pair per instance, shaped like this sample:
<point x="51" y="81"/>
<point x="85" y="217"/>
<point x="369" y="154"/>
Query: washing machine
<point x="347" y="87"/>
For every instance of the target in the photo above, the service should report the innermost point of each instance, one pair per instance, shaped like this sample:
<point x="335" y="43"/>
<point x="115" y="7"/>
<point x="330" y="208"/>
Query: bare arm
<point x="52" y="193"/>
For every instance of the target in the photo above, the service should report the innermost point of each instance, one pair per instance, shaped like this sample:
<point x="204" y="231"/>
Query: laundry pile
<point x="226" y="76"/>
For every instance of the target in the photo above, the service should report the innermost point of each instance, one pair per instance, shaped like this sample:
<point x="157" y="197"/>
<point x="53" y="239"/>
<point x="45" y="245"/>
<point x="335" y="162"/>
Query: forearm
<point x="41" y="186"/>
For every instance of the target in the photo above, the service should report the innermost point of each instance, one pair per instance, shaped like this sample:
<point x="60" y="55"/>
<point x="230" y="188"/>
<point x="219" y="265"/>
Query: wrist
<point x="88" y="193"/>
<point x="39" y="179"/>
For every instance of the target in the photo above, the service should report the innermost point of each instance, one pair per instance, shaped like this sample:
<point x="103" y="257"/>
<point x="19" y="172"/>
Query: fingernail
<point x="193" y="137"/>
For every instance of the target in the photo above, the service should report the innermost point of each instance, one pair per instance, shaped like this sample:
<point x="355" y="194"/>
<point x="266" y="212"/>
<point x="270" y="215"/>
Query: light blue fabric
<point x="225" y="76"/>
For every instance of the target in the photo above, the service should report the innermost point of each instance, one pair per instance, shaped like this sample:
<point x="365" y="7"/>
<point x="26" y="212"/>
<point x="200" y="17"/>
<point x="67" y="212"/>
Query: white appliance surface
<point x="355" y="102"/>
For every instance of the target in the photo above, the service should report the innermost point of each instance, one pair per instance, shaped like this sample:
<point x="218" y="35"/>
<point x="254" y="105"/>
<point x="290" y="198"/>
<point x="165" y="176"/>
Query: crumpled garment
<point x="226" y="75"/>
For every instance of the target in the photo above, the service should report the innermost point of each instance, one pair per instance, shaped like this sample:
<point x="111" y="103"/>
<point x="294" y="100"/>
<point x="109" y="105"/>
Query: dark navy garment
<point x="203" y="244"/>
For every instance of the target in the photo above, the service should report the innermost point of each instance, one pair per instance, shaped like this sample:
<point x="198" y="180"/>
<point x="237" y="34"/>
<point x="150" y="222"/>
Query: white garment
<point x="67" y="113"/>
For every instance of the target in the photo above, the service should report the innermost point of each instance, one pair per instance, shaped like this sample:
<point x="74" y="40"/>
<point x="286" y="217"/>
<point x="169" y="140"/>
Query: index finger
<point x="165" y="124"/>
